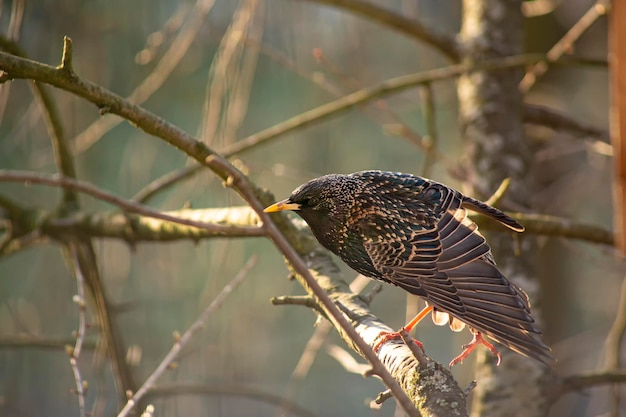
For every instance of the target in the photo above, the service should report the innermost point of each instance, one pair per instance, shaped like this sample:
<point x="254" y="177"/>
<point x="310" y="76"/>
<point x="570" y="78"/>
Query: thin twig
<point x="311" y="350"/>
<point x="13" y="34"/>
<point x="225" y="390"/>
<point x="545" y="116"/>
<point x="113" y="345"/>
<point x="381" y="112"/>
<point x="29" y="177"/>
<point x="296" y="300"/>
<point x="346" y="360"/>
<point x="22" y="341"/>
<point x="565" y="44"/>
<point x="159" y="37"/>
<point x="390" y="86"/>
<point x="164" y="182"/>
<point x="230" y="76"/>
<point x="499" y="193"/>
<point x="161" y="72"/>
<point x="52" y="119"/>
<point x="181" y="342"/>
<point x="74" y="353"/>
<point x="67" y="58"/>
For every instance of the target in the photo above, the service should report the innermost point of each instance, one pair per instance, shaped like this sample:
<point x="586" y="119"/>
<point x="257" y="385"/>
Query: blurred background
<point x="225" y="70"/>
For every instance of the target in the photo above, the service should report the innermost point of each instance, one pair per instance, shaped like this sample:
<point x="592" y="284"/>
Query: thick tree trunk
<point x="490" y="111"/>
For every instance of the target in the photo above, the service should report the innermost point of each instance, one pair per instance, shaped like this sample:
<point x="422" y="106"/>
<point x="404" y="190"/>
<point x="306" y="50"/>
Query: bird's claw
<point x="468" y="348"/>
<point x="384" y="337"/>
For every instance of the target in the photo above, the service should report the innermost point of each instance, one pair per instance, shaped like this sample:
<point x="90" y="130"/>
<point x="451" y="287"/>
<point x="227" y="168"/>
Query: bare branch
<point x="499" y="193"/>
<point x="346" y="360"/>
<point x="13" y="33"/>
<point x="181" y="342"/>
<point x="231" y="73"/>
<point x="583" y="381"/>
<point x="311" y="350"/>
<point x="544" y="116"/>
<point x="113" y="345"/>
<point x="551" y="118"/>
<point x="52" y="118"/>
<point x="380" y="111"/>
<point x="567" y="228"/>
<point x="546" y="225"/>
<point x="411" y="27"/>
<point x="223" y="390"/>
<point x="161" y="72"/>
<point x="74" y="353"/>
<point x="391" y="86"/>
<point x="166" y="181"/>
<point x="565" y="44"/>
<point x="66" y="60"/>
<point x="56" y="180"/>
<point x="36" y="342"/>
<point x="232" y="222"/>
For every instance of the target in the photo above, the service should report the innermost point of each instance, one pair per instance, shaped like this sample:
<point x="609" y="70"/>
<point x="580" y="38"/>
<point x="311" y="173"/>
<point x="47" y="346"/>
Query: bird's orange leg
<point x="477" y="339"/>
<point x="386" y="336"/>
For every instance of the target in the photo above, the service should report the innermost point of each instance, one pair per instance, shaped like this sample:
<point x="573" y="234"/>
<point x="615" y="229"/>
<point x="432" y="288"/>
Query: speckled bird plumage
<point x="415" y="233"/>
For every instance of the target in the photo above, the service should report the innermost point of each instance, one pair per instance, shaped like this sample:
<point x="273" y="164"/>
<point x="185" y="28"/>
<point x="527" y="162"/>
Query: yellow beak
<point x="282" y="206"/>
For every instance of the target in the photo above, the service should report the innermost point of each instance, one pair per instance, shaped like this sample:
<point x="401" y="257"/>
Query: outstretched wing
<point x="449" y="263"/>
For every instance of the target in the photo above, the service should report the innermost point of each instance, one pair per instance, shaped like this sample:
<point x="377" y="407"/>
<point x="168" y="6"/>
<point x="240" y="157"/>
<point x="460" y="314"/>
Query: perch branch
<point x="416" y="379"/>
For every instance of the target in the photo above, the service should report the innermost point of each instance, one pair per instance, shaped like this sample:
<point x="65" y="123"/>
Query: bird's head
<point x="324" y="202"/>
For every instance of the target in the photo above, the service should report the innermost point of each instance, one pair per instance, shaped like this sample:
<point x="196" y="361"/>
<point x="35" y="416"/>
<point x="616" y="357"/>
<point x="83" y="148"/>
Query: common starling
<point x="414" y="233"/>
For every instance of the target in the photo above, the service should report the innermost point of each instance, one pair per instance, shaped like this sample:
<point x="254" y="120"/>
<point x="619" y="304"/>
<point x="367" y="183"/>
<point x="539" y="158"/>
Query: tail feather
<point x="494" y="213"/>
<point x="495" y="307"/>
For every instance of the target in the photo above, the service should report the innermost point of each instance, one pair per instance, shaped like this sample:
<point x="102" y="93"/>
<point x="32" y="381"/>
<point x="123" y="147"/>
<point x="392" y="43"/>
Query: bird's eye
<point x="311" y="202"/>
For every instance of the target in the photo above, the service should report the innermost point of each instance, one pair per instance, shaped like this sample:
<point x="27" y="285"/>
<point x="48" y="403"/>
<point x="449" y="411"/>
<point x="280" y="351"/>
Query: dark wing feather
<point x="450" y="264"/>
